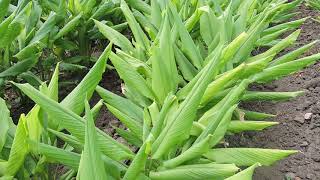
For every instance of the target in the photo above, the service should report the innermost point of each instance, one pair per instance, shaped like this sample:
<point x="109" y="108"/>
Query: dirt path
<point x="294" y="131"/>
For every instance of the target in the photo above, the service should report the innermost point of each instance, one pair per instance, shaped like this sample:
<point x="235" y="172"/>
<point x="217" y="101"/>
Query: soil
<point x="295" y="131"/>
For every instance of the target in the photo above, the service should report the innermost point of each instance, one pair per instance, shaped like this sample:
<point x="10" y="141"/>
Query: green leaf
<point x="139" y="5"/>
<point x="129" y="137"/>
<point x="74" y="100"/>
<point x="4" y="4"/>
<point x="293" y="55"/>
<point x="188" y="71"/>
<point x="218" y="84"/>
<point x="91" y="164"/>
<point x="240" y="126"/>
<point x="188" y="46"/>
<point x="289" y="25"/>
<point x="15" y="27"/>
<point x="75" y="124"/>
<point x="122" y="104"/>
<point x="178" y="128"/>
<point x="247" y="156"/>
<point x="131" y="78"/>
<point x="70" y="26"/>
<point x="56" y="155"/>
<point x="5" y="122"/>
<point x="134" y="126"/>
<point x="278" y="47"/>
<point x="197" y="171"/>
<point x="139" y="35"/>
<point x="45" y="28"/>
<point x="115" y="37"/>
<point x="163" y="65"/>
<point x="270" y="96"/>
<point x="193" y="152"/>
<point x="252" y="115"/>
<point x="19" y="67"/>
<point x="138" y="164"/>
<point x="245" y="174"/>
<point x="19" y="148"/>
<point x="275" y="72"/>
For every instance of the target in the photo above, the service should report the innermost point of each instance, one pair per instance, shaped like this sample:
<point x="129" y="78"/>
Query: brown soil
<point x="293" y="132"/>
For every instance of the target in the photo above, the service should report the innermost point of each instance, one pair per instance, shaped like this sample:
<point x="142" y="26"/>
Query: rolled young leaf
<point x="247" y="156"/>
<point x="197" y="171"/>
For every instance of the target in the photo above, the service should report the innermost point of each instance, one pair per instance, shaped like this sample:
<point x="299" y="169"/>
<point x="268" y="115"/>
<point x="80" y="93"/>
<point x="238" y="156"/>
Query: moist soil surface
<point x="296" y="130"/>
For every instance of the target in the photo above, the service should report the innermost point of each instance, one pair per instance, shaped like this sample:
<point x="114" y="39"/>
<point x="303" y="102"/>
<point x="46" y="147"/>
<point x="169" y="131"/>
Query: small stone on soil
<point x="304" y="144"/>
<point x="299" y="119"/>
<point x="307" y="116"/>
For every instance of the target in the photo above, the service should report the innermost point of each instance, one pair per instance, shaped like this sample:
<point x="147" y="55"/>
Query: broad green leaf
<point x="129" y="137"/>
<point x="146" y="24"/>
<point x="75" y="124"/>
<point x="221" y="129"/>
<point x="289" y="25"/>
<point x="245" y="174"/>
<point x="87" y="6"/>
<point x="15" y="27"/>
<point x="210" y="30"/>
<point x="290" y="56"/>
<point x="270" y="96"/>
<point x="132" y="78"/>
<point x="188" y="71"/>
<point x="140" y="66"/>
<point x="164" y="65"/>
<point x="265" y="40"/>
<point x="138" y="164"/>
<point x="19" y="67"/>
<point x="178" y="129"/>
<point x="278" y="47"/>
<point x="139" y="35"/>
<point x="56" y="155"/>
<point x="71" y="140"/>
<point x="4" y="4"/>
<point x="193" y="152"/>
<point x="19" y="148"/>
<point x="5" y="121"/>
<point x="247" y="156"/>
<point x="227" y="53"/>
<point x="133" y="125"/>
<point x="115" y="37"/>
<point x="45" y="28"/>
<point x="122" y="104"/>
<point x="30" y="50"/>
<point x="275" y="72"/>
<point x="188" y="46"/>
<point x="139" y="5"/>
<point x="91" y="164"/>
<point x="197" y="171"/>
<point x="74" y="100"/>
<point x="218" y="84"/>
<point x="156" y="16"/>
<point x="70" y="26"/>
<point x="240" y="126"/>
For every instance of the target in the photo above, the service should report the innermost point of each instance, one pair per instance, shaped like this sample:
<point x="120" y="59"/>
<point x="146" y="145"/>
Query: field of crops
<point x="159" y="89"/>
